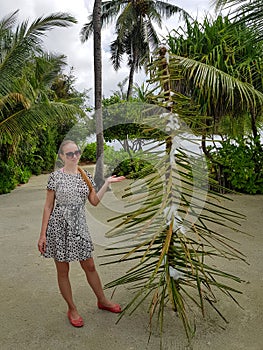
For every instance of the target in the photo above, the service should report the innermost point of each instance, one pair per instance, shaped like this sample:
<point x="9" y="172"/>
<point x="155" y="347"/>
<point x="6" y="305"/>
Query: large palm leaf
<point x="213" y="83"/>
<point x="173" y="239"/>
<point x="22" y="42"/>
<point x="248" y="11"/>
<point x="24" y="102"/>
<point x="227" y="49"/>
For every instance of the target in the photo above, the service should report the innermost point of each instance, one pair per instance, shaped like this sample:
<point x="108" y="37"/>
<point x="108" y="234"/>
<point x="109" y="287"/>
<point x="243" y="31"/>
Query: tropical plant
<point x="245" y="11"/>
<point x="136" y="35"/>
<point x="23" y="106"/>
<point x="172" y="236"/>
<point x="35" y="113"/>
<point x="221" y="69"/>
<point x="239" y="164"/>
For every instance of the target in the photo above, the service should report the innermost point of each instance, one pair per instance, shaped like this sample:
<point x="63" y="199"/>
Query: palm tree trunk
<point x="99" y="177"/>
<point x="131" y="76"/>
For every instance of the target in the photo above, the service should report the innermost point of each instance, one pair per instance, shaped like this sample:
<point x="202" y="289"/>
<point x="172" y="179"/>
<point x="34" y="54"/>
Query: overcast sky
<point x="80" y="56"/>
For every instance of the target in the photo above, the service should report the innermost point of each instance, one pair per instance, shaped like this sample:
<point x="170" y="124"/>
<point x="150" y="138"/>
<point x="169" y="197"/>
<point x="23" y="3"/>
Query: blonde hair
<point x="82" y="172"/>
<point x="85" y="178"/>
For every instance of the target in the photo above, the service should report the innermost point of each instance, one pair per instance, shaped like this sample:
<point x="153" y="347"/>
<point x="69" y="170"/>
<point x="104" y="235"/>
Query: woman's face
<point x="71" y="154"/>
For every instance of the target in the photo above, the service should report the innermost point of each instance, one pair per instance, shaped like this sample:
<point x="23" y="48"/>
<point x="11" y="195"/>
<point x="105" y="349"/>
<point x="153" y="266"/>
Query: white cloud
<point x="67" y="40"/>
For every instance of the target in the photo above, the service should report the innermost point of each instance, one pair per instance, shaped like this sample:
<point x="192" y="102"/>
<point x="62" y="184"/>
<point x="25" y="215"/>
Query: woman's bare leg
<point x="94" y="281"/>
<point x="65" y="287"/>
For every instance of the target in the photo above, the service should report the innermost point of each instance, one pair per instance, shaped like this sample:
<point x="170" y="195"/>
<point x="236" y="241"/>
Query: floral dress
<point x="67" y="235"/>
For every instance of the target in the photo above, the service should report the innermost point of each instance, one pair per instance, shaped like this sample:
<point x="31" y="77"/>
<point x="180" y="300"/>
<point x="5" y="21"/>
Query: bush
<point x="240" y="163"/>
<point x="8" y="178"/>
<point x="121" y="163"/>
<point x="33" y="154"/>
<point x="89" y="153"/>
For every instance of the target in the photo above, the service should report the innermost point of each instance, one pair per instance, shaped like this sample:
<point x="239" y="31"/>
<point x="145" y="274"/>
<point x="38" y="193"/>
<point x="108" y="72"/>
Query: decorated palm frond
<point x="179" y="229"/>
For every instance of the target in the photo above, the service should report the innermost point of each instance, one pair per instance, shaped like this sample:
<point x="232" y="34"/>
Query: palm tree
<point x="136" y="35"/>
<point x="99" y="178"/>
<point x="24" y="107"/>
<point x="246" y="11"/>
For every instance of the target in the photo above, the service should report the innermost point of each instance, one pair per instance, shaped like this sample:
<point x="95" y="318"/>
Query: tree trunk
<point x="130" y="84"/>
<point x="99" y="171"/>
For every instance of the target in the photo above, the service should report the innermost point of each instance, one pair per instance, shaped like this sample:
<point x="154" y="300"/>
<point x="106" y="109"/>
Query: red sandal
<point x="116" y="309"/>
<point x="75" y="323"/>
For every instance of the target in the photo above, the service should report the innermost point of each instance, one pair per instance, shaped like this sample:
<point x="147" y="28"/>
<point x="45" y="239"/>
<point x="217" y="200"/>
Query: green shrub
<point x="8" y="178"/>
<point x="89" y="153"/>
<point x="24" y="175"/>
<point x="131" y="165"/>
<point x="240" y="164"/>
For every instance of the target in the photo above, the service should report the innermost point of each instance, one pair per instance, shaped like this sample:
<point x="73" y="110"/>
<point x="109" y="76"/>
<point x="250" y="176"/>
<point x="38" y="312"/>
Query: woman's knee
<point x="88" y="265"/>
<point x="62" y="268"/>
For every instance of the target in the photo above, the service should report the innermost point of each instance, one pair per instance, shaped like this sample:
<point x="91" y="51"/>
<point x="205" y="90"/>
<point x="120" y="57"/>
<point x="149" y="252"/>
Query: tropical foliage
<point x="180" y="227"/>
<point x="38" y="104"/>
<point x="238" y="165"/>
<point x="220" y="71"/>
<point x="135" y="32"/>
<point x="245" y="11"/>
<point x="174" y="233"/>
<point x="220" y="68"/>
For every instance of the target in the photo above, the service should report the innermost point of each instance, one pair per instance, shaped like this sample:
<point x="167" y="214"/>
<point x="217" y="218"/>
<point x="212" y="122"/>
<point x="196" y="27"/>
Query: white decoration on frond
<point x="169" y="213"/>
<point x="175" y="274"/>
<point x="173" y="123"/>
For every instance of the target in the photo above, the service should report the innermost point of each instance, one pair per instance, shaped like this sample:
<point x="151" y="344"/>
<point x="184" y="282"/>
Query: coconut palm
<point x="24" y="106"/>
<point x="99" y="171"/>
<point x="135" y="31"/>
<point x="248" y="11"/>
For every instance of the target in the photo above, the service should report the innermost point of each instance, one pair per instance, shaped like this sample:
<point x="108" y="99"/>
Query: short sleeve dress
<point x="67" y="236"/>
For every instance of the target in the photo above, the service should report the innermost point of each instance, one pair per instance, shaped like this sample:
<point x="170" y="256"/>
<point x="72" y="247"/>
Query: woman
<point x="64" y="233"/>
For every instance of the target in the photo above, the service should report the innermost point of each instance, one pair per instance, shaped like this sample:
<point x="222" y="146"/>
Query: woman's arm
<point x="48" y="207"/>
<point x="95" y="198"/>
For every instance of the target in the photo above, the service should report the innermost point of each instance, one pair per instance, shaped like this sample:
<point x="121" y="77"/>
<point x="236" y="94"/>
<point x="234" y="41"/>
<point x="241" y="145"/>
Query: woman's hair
<point x="82" y="172"/>
<point x="64" y="143"/>
<point x="85" y="178"/>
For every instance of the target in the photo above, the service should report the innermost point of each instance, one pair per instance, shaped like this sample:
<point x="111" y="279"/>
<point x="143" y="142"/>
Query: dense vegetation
<point x="38" y="103"/>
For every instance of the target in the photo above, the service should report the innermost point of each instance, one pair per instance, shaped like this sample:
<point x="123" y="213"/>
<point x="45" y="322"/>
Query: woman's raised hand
<point x="115" y="178"/>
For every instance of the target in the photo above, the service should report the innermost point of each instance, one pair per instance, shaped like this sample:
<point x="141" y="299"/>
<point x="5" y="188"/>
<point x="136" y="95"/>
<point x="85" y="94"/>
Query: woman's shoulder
<point x="55" y="173"/>
<point x="87" y="172"/>
<point x="53" y="179"/>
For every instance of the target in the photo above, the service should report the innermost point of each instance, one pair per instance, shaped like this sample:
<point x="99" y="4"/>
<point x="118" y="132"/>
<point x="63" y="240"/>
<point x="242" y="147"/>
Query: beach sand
<point x="33" y="313"/>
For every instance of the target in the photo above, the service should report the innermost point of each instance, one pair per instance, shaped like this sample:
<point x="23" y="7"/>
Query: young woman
<point x="64" y="233"/>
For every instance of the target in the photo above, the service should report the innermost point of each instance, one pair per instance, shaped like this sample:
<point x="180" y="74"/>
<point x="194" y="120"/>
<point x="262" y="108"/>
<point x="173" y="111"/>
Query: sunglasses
<point x="70" y="155"/>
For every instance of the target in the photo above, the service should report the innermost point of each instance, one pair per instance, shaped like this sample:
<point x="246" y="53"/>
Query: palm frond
<point x="8" y="21"/>
<point x="175" y="235"/>
<point x="244" y="11"/>
<point x="167" y="10"/>
<point x="86" y="31"/>
<point x="25" y="41"/>
<point x="213" y="82"/>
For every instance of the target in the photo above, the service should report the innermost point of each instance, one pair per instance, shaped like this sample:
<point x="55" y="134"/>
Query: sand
<point x="33" y="313"/>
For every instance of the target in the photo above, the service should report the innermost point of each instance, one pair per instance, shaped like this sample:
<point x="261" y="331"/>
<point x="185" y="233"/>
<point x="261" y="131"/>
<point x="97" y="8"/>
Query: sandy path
<point x="33" y="314"/>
